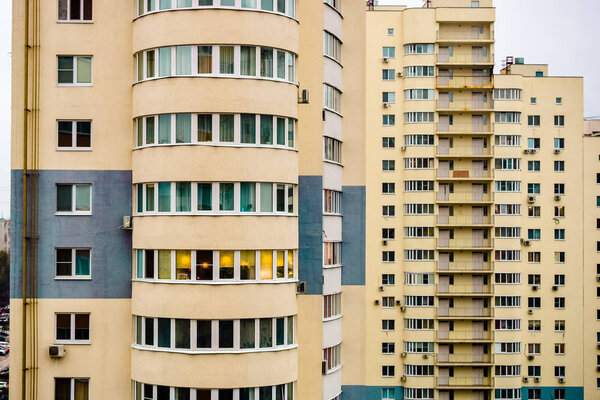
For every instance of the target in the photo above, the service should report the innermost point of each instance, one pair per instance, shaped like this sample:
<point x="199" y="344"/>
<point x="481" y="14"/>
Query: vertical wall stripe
<point x="353" y="234"/>
<point x="547" y="392"/>
<point x="369" y="392"/>
<point x="310" y="225"/>
<point x="101" y="231"/>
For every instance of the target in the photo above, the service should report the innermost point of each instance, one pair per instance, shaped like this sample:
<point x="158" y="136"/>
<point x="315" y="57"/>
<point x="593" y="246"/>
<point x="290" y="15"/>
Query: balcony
<point x="465" y="267"/>
<point x="465" y="336"/>
<point x="464" y="82"/>
<point x="464" y="312"/>
<point x="465" y="244"/>
<point x="461" y="36"/>
<point x="464" y="197"/>
<point x="471" y="382"/>
<point x="465" y="358"/>
<point x="465" y="106"/>
<point x="464" y="290"/>
<point x="464" y="174"/>
<point x="464" y="152"/>
<point x="465" y="59"/>
<point x="475" y="128"/>
<point x="464" y="220"/>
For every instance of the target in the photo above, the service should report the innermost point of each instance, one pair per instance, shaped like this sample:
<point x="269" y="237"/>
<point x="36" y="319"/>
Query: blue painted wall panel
<point x="353" y="235"/>
<point x="310" y="225"/>
<point x="111" y="245"/>
<point x="547" y="392"/>
<point x="369" y="392"/>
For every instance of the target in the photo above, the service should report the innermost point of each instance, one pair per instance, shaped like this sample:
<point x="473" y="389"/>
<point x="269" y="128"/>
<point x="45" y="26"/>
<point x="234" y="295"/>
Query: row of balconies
<point x="464" y="151"/>
<point x="474" y="105"/>
<point x="464" y="267"/>
<point x="464" y="290"/>
<point x="465" y="220"/>
<point x="464" y="312"/>
<point x="464" y="174"/>
<point x="465" y="59"/>
<point x="474" y="244"/>
<point x="464" y="128"/>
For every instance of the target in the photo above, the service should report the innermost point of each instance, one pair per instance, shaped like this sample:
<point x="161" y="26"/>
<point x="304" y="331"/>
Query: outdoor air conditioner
<point x="402" y="308"/>
<point x="386" y="60"/>
<point x="403" y="378"/>
<point x="530" y="311"/>
<point x="305" y="96"/>
<point x="300" y="287"/>
<point x="531" y="199"/>
<point x="555" y="288"/>
<point x="384" y="242"/>
<point x="525" y="379"/>
<point x="403" y="148"/>
<point x="533" y="151"/>
<point x="127" y="223"/>
<point x="530" y="357"/>
<point x="56" y="351"/>
<point x="557" y="197"/>
<point x="399" y="74"/>
<point x="398" y="302"/>
<point x="556" y="151"/>
<point x="376" y="302"/>
<point x="403" y="354"/>
<point x="526" y="242"/>
<point x="561" y="379"/>
<point x="537" y="379"/>
<point x="425" y="356"/>
<point x="535" y="287"/>
<point x="526" y="151"/>
<point x="386" y="105"/>
<point x="381" y="288"/>
<point x="323" y="367"/>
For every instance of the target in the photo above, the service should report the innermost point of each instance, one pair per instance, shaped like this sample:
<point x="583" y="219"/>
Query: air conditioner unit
<point x="561" y="379"/>
<point x="386" y="105"/>
<point x="531" y="199"/>
<point x="56" y="351"/>
<point x="555" y="288"/>
<point x="530" y="311"/>
<point x="557" y="197"/>
<point x="403" y="148"/>
<point x="127" y="222"/>
<point x="384" y="242"/>
<point x="556" y="151"/>
<point x="305" y="96"/>
<point x="398" y="302"/>
<point x="376" y="302"/>
<point x="526" y="242"/>
<point x="535" y="287"/>
<point x="526" y="151"/>
<point x="381" y="288"/>
<point x="386" y="60"/>
<point x="403" y="354"/>
<point x="323" y="367"/>
<point x="399" y="74"/>
<point x="530" y="357"/>
<point x="525" y="379"/>
<point x="403" y="378"/>
<point x="537" y="379"/>
<point x="598" y="278"/>
<point x="425" y="356"/>
<point x="300" y="287"/>
<point x="402" y="308"/>
<point x="533" y="151"/>
<point x="598" y="368"/>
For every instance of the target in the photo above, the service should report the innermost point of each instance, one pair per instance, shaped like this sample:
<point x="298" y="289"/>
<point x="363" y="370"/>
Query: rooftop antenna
<point x="510" y="60"/>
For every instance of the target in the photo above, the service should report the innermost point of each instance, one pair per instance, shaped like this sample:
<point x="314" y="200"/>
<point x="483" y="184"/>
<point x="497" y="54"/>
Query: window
<point x="75" y="135"/>
<point x="331" y="355"/>
<point x="418" y="278"/>
<point x="418" y="301"/>
<point x="559" y="100"/>
<point x="533" y="100"/>
<point x="387" y="371"/>
<point x="507" y="278"/>
<point x="388" y="188"/>
<point x="71" y="388"/>
<point x="534" y="234"/>
<point x="388" y="256"/>
<point x="534" y="302"/>
<point x="533" y="143"/>
<point x="75" y="10"/>
<point x="559" y="325"/>
<point x="534" y="256"/>
<point x="508" y="347"/>
<point x="508" y="163"/>
<point x="388" y="142"/>
<point x="418" y="71"/>
<point x="559" y="234"/>
<point x="388" y="74"/>
<point x="559" y="211"/>
<point x="559" y="120"/>
<point x="332" y="98"/>
<point x="418" y="117"/>
<point x="390" y="31"/>
<point x="508" y="255"/>
<point x="508" y="140"/>
<point x="534" y="348"/>
<point x="280" y="392"/>
<point x="418" y="324"/>
<point x="388" y="97"/>
<point x="388" y="279"/>
<point x="388" y="302"/>
<point x="533" y="120"/>
<point x="508" y="117"/>
<point x="534" y="325"/>
<point x="508" y="186"/>
<point x="507" y="94"/>
<point x="72" y="328"/>
<point x="418" y="209"/>
<point x="419" y="94"/>
<point x="419" y="347"/>
<point x="332" y="149"/>
<point x="419" y="255"/>
<point x="559" y="143"/>
<point x="389" y="52"/>
<point x="388" y="211"/>
<point x="388" y="233"/>
<point x="559" y="188"/>
<point x="332" y="253"/>
<point x="559" y="394"/>
<point x="419" y="140"/>
<point x="418" y="370"/>
<point x="508" y="209"/>
<point x="508" y="301"/>
<point x="419" y="48"/>
<point x="419" y="393"/>
<point x="74" y="199"/>
<point x="507" y="370"/>
<point x="533" y="188"/>
<point x="332" y="46"/>
<point x="388" y="165"/>
<point x="419" y="231"/>
<point x="533" y="166"/>
<point x="73" y="264"/>
<point x="559" y="166"/>
<point x="75" y="70"/>
<point x="539" y="74"/>
<point x="418" y="163"/>
<point x="559" y="348"/>
<point x="388" y="120"/>
<point x="534" y="211"/>
<point x="388" y="324"/>
<point x="559" y="302"/>
<point x="559" y="372"/>
<point x="419" y="186"/>
<point x="475" y="4"/>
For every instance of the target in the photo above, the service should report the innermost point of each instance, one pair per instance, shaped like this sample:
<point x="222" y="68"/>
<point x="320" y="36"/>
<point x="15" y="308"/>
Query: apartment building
<point x="4" y="234"/>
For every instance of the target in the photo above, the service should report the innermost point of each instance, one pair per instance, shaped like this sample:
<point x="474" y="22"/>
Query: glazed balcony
<point x="464" y="313"/>
<point x="465" y="106"/>
<point x="465" y="59"/>
<point x="464" y="82"/>
<point x="464" y="175"/>
<point x="472" y="197"/>
<point x="471" y="382"/>
<point x="465" y="220"/>
<point x="474" y="128"/>
<point x="468" y="290"/>
<point x="464" y="151"/>
<point x="464" y="267"/>
<point x="475" y="336"/>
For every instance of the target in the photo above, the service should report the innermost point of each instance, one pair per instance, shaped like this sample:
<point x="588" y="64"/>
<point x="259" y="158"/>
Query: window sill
<point x="334" y="369"/>
<point x="216" y="76"/>
<point x="339" y="114"/>
<point x="333" y="162"/>
<point x="210" y="351"/>
<point x="70" y="214"/>
<point x="326" y="214"/>
<point x="73" y="149"/>
<point x="334" y="9"/>
<point x="332" y="266"/>
<point x="73" y="278"/>
<point x="334" y="318"/>
<point x="217" y="144"/>
<point x="216" y="283"/>
<point x="216" y="8"/>
<point x="333" y="59"/>
<point x="75" y="21"/>
<point x="74" y="84"/>
<point x="73" y="342"/>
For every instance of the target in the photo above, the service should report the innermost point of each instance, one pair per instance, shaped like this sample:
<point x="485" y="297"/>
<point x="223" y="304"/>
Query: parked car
<point x="3" y="384"/>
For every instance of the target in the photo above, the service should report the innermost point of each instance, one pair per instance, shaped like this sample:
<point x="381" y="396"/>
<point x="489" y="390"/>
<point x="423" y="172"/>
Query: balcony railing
<point x="464" y="381"/>
<point x="464" y="312"/>
<point x="464" y="128"/>
<point x="464" y="266"/>
<point x="464" y="289"/>
<point x="463" y="151"/>
<point x="464" y="244"/>
<point x="464" y="174"/>
<point x="466" y="220"/>
<point x="465" y="335"/>
<point x="465" y="35"/>
<point x="465" y="59"/>
<point x="465" y="105"/>
<point x="464" y="82"/>
<point x="460" y="197"/>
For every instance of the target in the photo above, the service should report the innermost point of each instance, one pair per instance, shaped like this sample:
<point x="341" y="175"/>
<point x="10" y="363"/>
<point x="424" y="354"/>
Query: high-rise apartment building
<point x="280" y="199"/>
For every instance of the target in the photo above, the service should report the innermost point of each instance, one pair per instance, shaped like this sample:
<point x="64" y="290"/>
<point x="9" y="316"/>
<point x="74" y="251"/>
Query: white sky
<point x="561" y="33"/>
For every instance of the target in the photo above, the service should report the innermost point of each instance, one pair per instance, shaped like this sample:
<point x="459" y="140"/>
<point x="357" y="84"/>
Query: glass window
<point x="204" y="59"/>
<point x="280" y="198"/>
<point x="149" y="197"/>
<point x="247" y="197"/>
<point x="281" y="131"/>
<point x="165" y="4"/>
<point x="280" y="264"/>
<point x="248" y="3"/>
<point x="266" y="129"/>
<point x="280" y="64"/>
<point x="204" y="334"/>
<point x="290" y="264"/>
<point x="290" y="330"/>
<point x="266" y="332"/>
<point x="247" y="332"/>
<point x="164" y="264"/>
<point x="164" y="196"/>
<point x="266" y="5"/>
<point x="266" y="264"/>
<point x="149" y="264"/>
<point x="204" y="265"/>
<point x="248" y="60"/>
<point x="204" y="196"/>
<point x="279" y="329"/>
<point x="291" y="67"/>
<point x="226" y="334"/>
<point x="150" y="64"/>
<point x="226" y="263"/>
<point x="184" y="3"/>
<point x="266" y="197"/>
<point x="226" y="57"/>
<point x="226" y="197"/>
<point x="150" y="127"/>
<point x="183" y="128"/>
<point x="290" y="204"/>
<point x="183" y="196"/>
<point x="182" y="333"/>
<point x="149" y="336"/>
<point x="204" y="127"/>
<point x="266" y="62"/>
<point x="226" y="130"/>
<point x="183" y="264"/>
<point x="183" y="64"/>
<point x="164" y="129"/>
<point x="248" y="128"/>
<point x="247" y="265"/>
<point x="164" y="61"/>
<point x="290" y="132"/>
<point x="164" y="332"/>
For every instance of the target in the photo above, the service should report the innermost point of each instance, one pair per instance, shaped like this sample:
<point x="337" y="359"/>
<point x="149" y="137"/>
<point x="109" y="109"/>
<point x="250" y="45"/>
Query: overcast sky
<point x="557" y="32"/>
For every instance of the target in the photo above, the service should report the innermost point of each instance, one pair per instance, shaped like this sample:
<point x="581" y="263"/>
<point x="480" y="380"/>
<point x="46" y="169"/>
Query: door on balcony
<point x="444" y="395"/>
<point x="477" y="169"/>
<point x="476" y="31"/>
<point x="478" y="307"/>
<point x="444" y="283"/>
<point x="477" y="329"/>
<point x="477" y="352"/>
<point x="443" y="307"/>
<point x="477" y="54"/>
<point x="477" y="123"/>
<point x="477" y="191"/>
<point x="477" y="237"/>
<point x="444" y="146"/>
<point x="477" y="283"/>
<point x="444" y="353"/>
<point x="477" y="77"/>
<point x="444" y="54"/>
<point x="444" y="329"/>
<point x="444" y="261"/>
<point x="444" y="377"/>
<point x="444" y="192"/>
<point x="444" y="77"/>
<point x="444" y="100"/>
<point x="477" y="145"/>
<point x="477" y="260"/>
<point x="477" y="376"/>
<point x="444" y="215"/>
<point x="444" y="238"/>
<point x="444" y="168"/>
<point x="477" y="100"/>
<point x="477" y="217"/>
